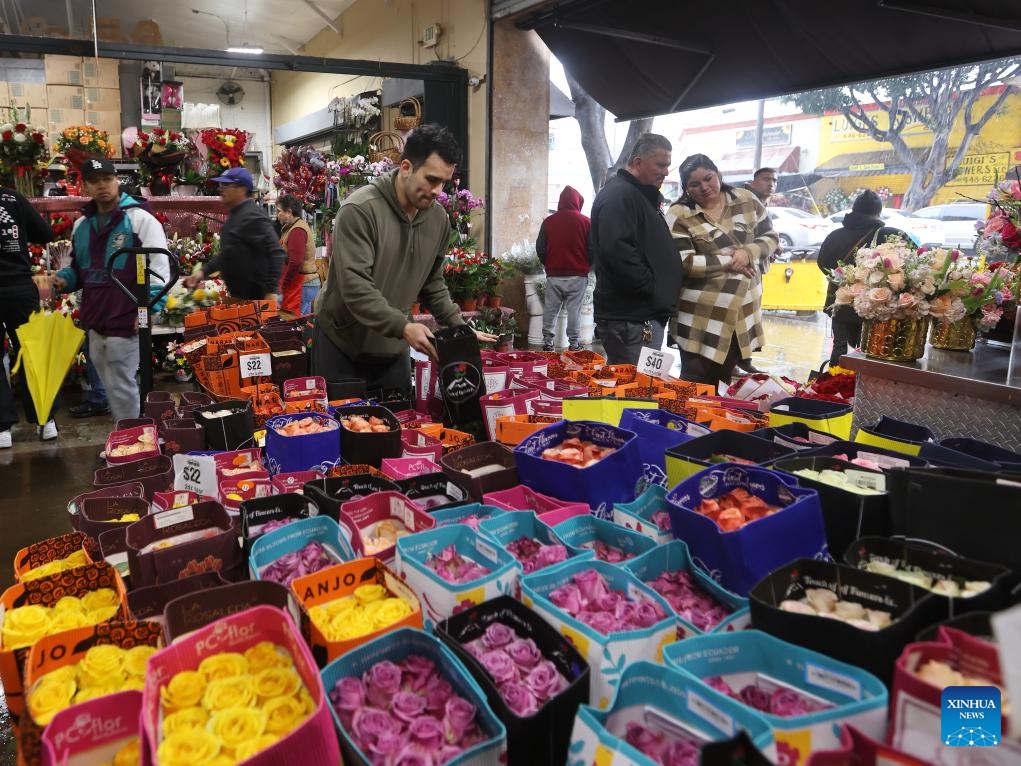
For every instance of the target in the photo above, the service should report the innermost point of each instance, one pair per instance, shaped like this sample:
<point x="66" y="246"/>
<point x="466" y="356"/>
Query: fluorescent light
<point x="245" y="49"/>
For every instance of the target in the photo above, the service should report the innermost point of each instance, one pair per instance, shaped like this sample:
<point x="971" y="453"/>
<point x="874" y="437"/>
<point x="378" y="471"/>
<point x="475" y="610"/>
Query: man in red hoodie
<point x="562" y="247"/>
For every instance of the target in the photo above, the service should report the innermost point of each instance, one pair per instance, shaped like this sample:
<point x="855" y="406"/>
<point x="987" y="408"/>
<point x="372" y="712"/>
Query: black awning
<point x="647" y="57"/>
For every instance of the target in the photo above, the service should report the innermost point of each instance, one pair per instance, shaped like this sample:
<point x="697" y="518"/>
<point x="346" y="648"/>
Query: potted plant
<point x="499" y="322"/>
<point x="189" y="183"/>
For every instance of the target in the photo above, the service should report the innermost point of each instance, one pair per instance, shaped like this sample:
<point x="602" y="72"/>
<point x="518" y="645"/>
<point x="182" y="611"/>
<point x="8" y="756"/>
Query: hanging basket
<point x="409" y="114"/>
<point x="385" y="144"/>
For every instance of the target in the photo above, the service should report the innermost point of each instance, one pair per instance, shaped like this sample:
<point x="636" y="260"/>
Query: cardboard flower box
<point x="542" y="737"/>
<point x="155" y="474"/>
<point x="148" y="602"/>
<point x="363" y="516"/>
<point x="484" y="467"/>
<point x="306" y="394"/>
<point x="294" y="481"/>
<point x="897" y="435"/>
<point x="795" y="436"/>
<point x="301" y="452"/>
<point x="416" y="443"/>
<point x="471" y="514"/>
<point x="590" y="533"/>
<point x="182" y="435"/>
<point x="194" y="610"/>
<point x="820" y="415"/>
<point x="638" y="514"/>
<point x="229" y="425"/>
<point x="658" y="431"/>
<point x="92" y="732"/>
<point x="524" y="362"/>
<point x="856" y="749"/>
<point x="441" y="598"/>
<point x="395" y="647"/>
<point x="98" y="514"/>
<point x="331" y="492"/>
<point x="607" y="654"/>
<point x="128" y="489"/>
<point x="294" y="536"/>
<point x="613" y="479"/>
<point x="505" y="528"/>
<point x="46" y="551"/>
<point x="370" y="447"/>
<point x="513" y="429"/>
<point x="313" y="738"/>
<point x="738" y="559"/>
<point x="687" y="459"/>
<point x="397" y="468"/>
<point x="521" y="498"/>
<point x="258" y="512"/>
<point x="338" y="582"/>
<point x="159" y="405"/>
<point x="432" y="491"/>
<point x="844" y="694"/>
<point x="140" y="435"/>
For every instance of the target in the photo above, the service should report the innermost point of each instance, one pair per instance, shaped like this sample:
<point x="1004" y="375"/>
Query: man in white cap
<point x="251" y="258"/>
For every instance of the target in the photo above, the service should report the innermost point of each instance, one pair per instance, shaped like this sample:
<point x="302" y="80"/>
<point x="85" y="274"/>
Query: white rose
<point x="5" y="127"/>
<point x="20" y="138"/>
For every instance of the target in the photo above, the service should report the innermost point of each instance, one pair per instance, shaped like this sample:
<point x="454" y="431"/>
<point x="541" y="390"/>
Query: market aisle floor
<point x="38" y="478"/>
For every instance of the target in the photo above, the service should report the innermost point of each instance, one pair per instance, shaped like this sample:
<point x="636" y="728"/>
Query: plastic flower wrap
<point x="891" y="281"/>
<point x="405" y="712"/>
<point x="589" y="599"/>
<point x="522" y="258"/>
<point x="525" y="679"/>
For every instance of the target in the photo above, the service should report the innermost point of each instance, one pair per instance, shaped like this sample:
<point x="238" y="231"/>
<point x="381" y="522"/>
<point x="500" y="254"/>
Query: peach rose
<point x="880" y="294"/>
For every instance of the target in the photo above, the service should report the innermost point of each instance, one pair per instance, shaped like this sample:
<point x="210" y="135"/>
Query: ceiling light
<point x="245" y="48"/>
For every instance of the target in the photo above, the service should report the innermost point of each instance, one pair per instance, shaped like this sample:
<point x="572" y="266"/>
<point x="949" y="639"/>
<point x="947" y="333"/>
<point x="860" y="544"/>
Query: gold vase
<point x="894" y="340"/>
<point x="953" y="336"/>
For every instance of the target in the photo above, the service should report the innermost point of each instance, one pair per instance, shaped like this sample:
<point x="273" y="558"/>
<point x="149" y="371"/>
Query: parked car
<point x="961" y="221"/>
<point x="923" y="231"/>
<point x="798" y="229"/>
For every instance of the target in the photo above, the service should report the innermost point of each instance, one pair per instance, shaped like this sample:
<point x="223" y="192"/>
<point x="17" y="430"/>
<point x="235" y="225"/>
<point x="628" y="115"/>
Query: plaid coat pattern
<point x="716" y="304"/>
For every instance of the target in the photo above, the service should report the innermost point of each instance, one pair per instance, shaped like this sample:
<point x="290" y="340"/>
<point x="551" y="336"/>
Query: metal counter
<point x="954" y="393"/>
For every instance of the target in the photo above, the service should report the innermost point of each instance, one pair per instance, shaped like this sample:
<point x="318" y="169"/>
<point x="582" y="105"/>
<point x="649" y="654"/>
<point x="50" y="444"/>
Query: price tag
<point x="170" y="518"/>
<point x="876" y="481"/>
<point x="254" y="365"/>
<point x="655" y="364"/>
<point x="195" y="473"/>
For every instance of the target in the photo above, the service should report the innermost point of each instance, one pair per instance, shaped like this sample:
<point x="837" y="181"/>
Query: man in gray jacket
<point x="389" y="240"/>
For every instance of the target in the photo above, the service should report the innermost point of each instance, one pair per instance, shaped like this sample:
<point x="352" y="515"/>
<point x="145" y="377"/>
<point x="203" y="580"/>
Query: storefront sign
<point x="981" y="169"/>
<point x="878" y="166"/>
<point x="772" y="135"/>
<point x="841" y="128"/>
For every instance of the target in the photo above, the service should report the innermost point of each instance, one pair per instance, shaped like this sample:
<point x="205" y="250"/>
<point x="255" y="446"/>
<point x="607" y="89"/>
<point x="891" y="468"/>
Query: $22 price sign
<point x="254" y="365"/>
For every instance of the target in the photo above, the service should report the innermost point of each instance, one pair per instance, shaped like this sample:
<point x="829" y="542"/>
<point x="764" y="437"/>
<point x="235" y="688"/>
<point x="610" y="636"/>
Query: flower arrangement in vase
<point x="1000" y="244"/>
<point x="968" y="289"/>
<point x="459" y="204"/>
<point x="176" y="361"/>
<point x="160" y="151"/>
<point x="22" y="151"/>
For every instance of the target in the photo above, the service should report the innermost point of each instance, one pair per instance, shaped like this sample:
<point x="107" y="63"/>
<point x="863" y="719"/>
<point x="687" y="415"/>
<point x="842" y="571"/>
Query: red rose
<point x="1010" y="235"/>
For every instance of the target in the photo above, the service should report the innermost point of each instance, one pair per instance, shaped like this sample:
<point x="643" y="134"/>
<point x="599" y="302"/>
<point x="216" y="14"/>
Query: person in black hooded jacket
<point x="862" y="227"/>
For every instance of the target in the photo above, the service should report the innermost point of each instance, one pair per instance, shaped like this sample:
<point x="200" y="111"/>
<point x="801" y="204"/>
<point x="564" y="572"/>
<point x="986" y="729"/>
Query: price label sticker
<point x="143" y="317"/>
<point x="254" y="365"/>
<point x="195" y="473"/>
<point x="654" y="363"/>
<point x="173" y="517"/>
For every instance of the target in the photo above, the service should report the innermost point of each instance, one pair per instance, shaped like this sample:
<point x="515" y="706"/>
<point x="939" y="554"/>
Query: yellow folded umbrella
<point x="49" y="344"/>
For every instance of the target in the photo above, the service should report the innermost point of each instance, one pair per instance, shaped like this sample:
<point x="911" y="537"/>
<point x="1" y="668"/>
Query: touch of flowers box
<point x="75" y="666"/>
<point x="611" y="479"/>
<point x="301" y="442"/>
<point x="332" y="492"/>
<point x="533" y="677"/>
<point x="379" y="520"/>
<point x="298" y="548"/>
<point x="454" y="566"/>
<point x="50" y="556"/>
<point x="102" y="730"/>
<point x="801" y="694"/>
<point x="29" y="611"/>
<point x="775" y="523"/>
<point x="274" y="510"/>
<point x="440" y="697"/>
<point x="349" y="604"/>
<point x="610" y="616"/>
<point x="898" y="435"/>
<point x="397" y="468"/>
<point x="662" y="716"/>
<point x="433" y="491"/>
<point x="658" y="431"/>
<point x="701" y="604"/>
<point x="293" y="710"/>
<point x="609" y="542"/>
<point x="415" y="443"/>
<point x="484" y="467"/>
<point x="647" y="514"/>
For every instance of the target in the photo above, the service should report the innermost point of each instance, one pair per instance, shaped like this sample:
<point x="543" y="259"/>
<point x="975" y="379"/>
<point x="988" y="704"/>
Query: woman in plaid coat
<point x="725" y="239"/>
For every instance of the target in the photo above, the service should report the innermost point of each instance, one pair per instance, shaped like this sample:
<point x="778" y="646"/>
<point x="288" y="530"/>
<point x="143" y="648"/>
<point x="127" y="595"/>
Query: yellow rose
<point x="265" y="654"/>
<point x="224" y="693"/>
<point x="24" y="625"/>
<point x="283" y="714"/>
<point x="77" y="559"/>
<point x="65" y="673"/>
<point x="135" y="659"/>
<point x="199" y="294"/>
<point x="389" y="611"/>
<point x="342" y="606"/>
<point x="43" y="570"/>
<point x="184" y="690"/>
<point x="102" y="614"/>
<point x="185" y="719"/>
<point x="276" y="682"/>
<point x="223" y="665"/>
<point x="172" y="302"/>
<point x="48" y="697"/>
<point x="133" y="683"/>
<point x="188" y="748"/>
<point x="235" y="726"/>
<point x="368" y="593"/>
<point x="257" y="745"/>
<point x="307" y="701"/>
<point x="69" y="604"/>
<point x="67" y="620"/>
<point x="222" y="760"/>
<point x="100" y="598"/>
<point x="130" y="753"/>
<point x="86" y="693"/>
<point x="101" y="665"/>
<point x="348" y="628"/>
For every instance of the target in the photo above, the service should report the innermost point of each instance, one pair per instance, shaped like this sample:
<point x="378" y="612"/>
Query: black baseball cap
<point x="97" y="166"/>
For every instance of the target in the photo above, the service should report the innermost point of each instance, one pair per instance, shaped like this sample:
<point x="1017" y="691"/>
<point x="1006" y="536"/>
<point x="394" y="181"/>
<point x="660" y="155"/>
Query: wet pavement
<point x="37" y="479"/>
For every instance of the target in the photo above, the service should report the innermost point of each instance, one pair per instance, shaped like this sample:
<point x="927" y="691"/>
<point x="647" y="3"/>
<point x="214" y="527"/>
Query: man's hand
<point x="420" y="338"/>
<point x="192" y="281"/>
<point x="486" y="337"/>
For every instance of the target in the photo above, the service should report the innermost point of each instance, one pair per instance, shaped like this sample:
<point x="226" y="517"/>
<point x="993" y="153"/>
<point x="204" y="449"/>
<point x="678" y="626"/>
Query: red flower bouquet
<point x="226" y="148"/>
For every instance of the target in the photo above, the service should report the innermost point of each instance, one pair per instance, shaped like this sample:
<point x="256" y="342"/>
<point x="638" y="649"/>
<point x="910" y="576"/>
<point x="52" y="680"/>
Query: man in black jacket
<point x="638" y="269"/>
<point x="862" y="227"/>
<point x="251" y="258"/>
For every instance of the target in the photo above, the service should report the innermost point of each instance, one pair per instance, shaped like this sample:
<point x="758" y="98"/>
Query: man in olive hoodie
<point x="389" y="240"/>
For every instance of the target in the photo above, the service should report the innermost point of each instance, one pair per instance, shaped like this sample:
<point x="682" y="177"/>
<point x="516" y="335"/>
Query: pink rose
<point x="608" y="602"/>
<point x="437" y="693"/>
<point x="643" y="739"/>
<point x="500" y="666"/>
<point x="680" y="752"/>
<point x="566" y="597"/>
<point x="754" y="697"/>
<point x="381" y="683"/>
<point x="787" y="703"/>
<point x="458" y="717"/>
<point x="412" y="755"/>
<point x="544" y="680"/>
<point x="601" y="622"/>
<point x="906" y="301"/>
<point x="347" y="696"/>
<point x="524" y="652"/>
<point x="717" y="683"/>
<point x="880" y="294"/>
<point x="369" y="723"/>
<point x="386" y="745"/>
<point x="549" y="555"/>
<point x="590" y="584"/>
<point x="896" y="281"/>
<point x="474" y="648"/>
<point x="647" y="614"/>
<point x="418" y="670"/>
<point x="624" y="614"/>
<point x="426" y="731"/>
<point x="407" y="706"/>
<point x="661" y="519"/>
<point x="497" y="635"/>
<point x="520" y="701"/>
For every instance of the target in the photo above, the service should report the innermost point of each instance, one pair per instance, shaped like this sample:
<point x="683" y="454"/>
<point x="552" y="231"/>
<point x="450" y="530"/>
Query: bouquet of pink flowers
<point x="525" y="679"/>
<point x="891" y="281"/>
<point x="667" y="749"/>
<point x="533" y="555"/>
<point x="455" y="568"/>
<point x="590" y="600"/>
<point x="966" y="288"/>
<point x="405" y="713"/>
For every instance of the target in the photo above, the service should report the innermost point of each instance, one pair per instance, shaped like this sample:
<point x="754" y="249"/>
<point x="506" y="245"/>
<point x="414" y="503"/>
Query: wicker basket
<point x="409" y="114"/>
<point x="387" y="144"/>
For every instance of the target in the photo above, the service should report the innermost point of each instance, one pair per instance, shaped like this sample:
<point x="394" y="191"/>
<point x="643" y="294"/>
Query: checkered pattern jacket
<point x="716" y="304"/>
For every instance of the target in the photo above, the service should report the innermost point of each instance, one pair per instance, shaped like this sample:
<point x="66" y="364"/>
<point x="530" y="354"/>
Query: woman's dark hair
<point x="689" y="166"/>
<point x="291" y="204"/>
<point x="429" y="138"/>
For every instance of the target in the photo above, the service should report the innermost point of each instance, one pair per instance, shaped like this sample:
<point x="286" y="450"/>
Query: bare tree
<point x="939" y="101"/>
<point x="591" y="117"/>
